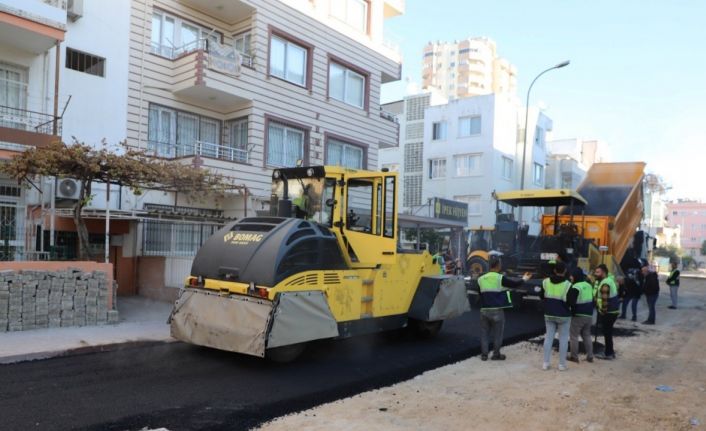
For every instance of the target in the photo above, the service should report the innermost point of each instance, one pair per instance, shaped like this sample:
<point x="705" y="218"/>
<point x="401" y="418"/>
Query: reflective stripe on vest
<point x="584" y="302"/>
<point x="613" y="298"/>
<point x="555" y="298"/>
<point x="492" y="294"/>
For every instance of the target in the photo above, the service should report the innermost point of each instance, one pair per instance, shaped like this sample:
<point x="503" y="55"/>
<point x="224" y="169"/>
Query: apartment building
<point x="690" y="217"/>
<point x="407" y="157"/>
<point x="470" y="67"/>
<point x="30" y="34"/>
<point x="239" y="87"/>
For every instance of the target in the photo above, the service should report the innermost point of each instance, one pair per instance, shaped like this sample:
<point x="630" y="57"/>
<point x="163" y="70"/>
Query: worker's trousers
<point x="556" y="326"/>
<point x="491" y="321"/>
<point x="673" y="291"/>
<point x="581" y="326"/>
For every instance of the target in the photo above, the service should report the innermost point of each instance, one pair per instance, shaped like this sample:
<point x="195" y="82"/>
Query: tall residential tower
<point x="470" y="67"/>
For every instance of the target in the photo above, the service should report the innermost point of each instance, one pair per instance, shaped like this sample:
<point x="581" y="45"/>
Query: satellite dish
<point x="68" y="188"/>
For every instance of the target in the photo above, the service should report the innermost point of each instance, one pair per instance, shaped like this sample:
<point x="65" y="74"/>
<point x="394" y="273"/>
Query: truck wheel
<point x="477" y="266"/>
<point x="424" y="329"/>
<point x="285" y="354"/>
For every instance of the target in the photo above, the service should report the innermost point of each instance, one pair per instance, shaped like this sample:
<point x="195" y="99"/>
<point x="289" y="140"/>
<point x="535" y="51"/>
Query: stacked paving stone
<point x="43" y="299"/>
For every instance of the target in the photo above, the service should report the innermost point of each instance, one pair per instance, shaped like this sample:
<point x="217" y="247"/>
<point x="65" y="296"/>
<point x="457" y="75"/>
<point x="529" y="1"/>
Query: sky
<point x="637" y="77"/>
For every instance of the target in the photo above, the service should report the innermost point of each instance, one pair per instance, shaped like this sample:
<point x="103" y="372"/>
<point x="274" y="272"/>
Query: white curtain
<point x="209" y="137"/>
<point x="277" y="57"/>
<point x="12" y="96"/>
<point x="187" y="133"/>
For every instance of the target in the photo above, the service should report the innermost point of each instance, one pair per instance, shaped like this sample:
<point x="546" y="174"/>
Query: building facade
<point x="690" y="218"/>
<point x="470" y="67"/>
<point x="31" y="32"/>
<point x="239" y="87"/>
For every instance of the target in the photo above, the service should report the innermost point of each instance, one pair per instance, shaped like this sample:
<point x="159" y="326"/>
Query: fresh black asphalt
<point x="184" y="387"/>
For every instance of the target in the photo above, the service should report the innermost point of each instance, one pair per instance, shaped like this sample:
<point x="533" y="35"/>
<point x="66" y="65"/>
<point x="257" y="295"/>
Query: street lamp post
<point x="524" y="145"/>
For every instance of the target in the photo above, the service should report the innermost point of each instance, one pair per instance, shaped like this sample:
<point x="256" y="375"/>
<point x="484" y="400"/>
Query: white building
<point x="471" y="149"/>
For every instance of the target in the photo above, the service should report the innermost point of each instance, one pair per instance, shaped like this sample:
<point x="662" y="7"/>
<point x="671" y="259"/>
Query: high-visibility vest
<point x="613" y="298"/>
<point x="584" y="302"/>
<point x="555" y="299"/>
<point x="673" y="282"/>
<point x="492" y="294"/>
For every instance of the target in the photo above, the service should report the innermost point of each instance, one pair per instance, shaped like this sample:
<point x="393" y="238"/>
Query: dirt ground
<point x="516" y="394"/>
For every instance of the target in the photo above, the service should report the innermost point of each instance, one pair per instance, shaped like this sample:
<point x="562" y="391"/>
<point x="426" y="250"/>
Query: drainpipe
<point x="57" y="68"/>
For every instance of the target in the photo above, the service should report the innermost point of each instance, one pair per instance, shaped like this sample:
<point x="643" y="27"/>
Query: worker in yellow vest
<point x="557" y="314"/>
<point x="673" y="283"/>
<point x="608" y="306"/>
<point x="494" y="298"/>
<point x="581" y="293"/>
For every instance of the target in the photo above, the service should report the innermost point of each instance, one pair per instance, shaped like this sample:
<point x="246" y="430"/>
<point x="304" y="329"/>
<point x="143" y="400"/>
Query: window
<point x="438" y="131"/>
<point x="242" y="44"/>
<point x="473" y="201"/>
<point x="288" y="60"/>
<point x="13" y="96"/>
<point x="390" y="209"/>
<point x="173" y="133"/>
<point x="172" y="36"/>
<point x="352" y="12"/>
<point x="83" y="62"/>
<point x="346" y="85"/>
<point x="507" y="168"/>
<point x="538" y="174"/>
<point x="437" y="168"/>
<point x="360" y="205"/>
<point x="340" y="153"/>
<point x="469" y="126"/>
<point x="166" y="238"/>
<point x="467" y="165"/>
<point x="539" y="137"/>
<point x="236" y="147"/>
<point x="285" y="145"/>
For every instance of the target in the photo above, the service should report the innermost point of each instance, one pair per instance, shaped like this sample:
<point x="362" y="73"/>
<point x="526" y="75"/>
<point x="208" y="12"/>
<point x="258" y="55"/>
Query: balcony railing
<point x="61" y="4"/>
<point x="30" y="121"/>
<point x="198" y="148"/>
<point x="172" y="53"/>
<point x="389" y="116"/>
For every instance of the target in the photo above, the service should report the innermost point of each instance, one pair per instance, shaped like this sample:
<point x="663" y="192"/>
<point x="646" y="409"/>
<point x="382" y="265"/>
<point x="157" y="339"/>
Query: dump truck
<point x="324" y="265"/>
<point x="611" y="217"/>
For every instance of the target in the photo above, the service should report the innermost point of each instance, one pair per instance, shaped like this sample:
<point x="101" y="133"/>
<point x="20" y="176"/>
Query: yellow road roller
<point x="325" y="264"/>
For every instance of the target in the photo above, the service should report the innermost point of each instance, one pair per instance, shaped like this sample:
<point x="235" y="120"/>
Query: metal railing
<point x="200" y="148"/>
<point x="31" y="121"/>
<point x="61" y="4"/>
<point x="389" y="116"/>
<point x="172" y="52"/>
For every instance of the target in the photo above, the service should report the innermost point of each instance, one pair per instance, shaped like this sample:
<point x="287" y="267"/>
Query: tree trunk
<point x="84" y="248"/>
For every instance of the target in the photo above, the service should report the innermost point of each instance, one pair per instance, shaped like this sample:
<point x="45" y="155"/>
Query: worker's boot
<point x="497" y="357"/>
<point x="573" y="358"/>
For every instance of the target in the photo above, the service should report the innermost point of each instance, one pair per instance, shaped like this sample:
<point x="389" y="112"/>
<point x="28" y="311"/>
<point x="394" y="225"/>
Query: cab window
<point x="359" y="205"/>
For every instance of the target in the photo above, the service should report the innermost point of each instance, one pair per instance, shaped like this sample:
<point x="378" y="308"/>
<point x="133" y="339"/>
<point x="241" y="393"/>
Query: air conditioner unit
<point x="67" y="188"/>
<point x="74" y="9"/>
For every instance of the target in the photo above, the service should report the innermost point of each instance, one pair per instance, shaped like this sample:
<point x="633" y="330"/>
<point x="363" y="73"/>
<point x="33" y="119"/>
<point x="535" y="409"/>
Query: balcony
<point x="32" y="26"/>
<point x="209" y="74"/>
<point x="394" y="8"/>
<point x="211" y="150"/>
<point x="24" y="127"/>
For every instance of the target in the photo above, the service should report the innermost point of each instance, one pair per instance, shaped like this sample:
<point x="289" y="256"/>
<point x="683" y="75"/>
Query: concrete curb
<point x="83" y="350"/>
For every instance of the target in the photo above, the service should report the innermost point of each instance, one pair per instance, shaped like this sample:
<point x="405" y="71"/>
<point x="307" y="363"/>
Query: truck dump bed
<point x="615" y="203"/>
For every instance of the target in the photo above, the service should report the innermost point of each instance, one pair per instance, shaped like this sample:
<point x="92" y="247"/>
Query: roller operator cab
<point x="324" y="264"/>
